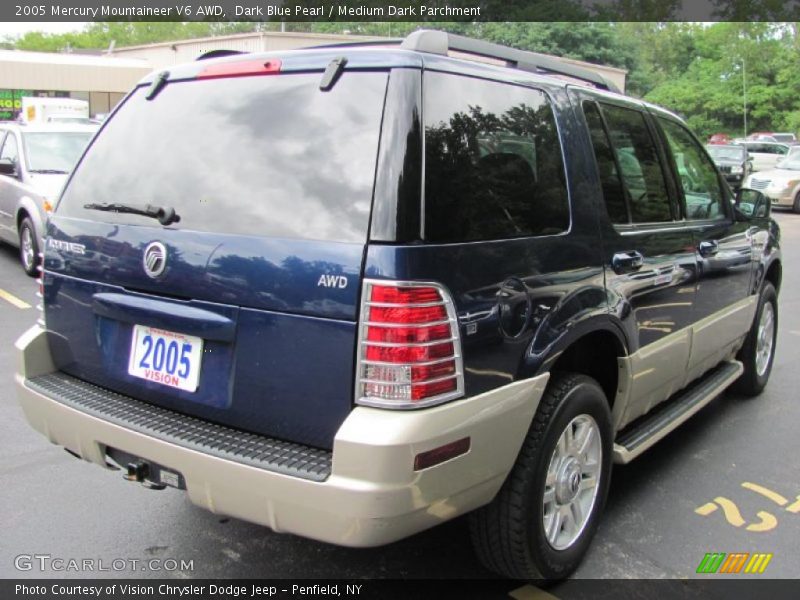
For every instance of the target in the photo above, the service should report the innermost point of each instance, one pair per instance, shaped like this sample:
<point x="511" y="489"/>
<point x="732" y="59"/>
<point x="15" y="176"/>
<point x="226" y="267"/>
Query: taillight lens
<point x="409" y="346"/>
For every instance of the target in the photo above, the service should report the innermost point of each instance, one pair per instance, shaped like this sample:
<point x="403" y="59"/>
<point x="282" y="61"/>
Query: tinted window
<point x="698" y="177"/>
<point x="642" y="177"/>
<point x="613" y="192"/>
<point x="493" y="166"/>
<point x="269" y="156"/>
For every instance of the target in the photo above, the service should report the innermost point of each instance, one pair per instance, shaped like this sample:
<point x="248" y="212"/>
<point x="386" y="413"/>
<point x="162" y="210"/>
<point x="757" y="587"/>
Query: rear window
<point x="493" y="166"/>
<point x="268" y="156"/>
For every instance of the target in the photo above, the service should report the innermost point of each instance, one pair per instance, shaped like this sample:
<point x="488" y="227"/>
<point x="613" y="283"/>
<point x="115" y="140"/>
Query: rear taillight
<point x="409" y="346"/>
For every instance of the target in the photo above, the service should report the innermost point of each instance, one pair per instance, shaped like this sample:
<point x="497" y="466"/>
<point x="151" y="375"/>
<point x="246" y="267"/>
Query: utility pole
<point x="744" y="93"/>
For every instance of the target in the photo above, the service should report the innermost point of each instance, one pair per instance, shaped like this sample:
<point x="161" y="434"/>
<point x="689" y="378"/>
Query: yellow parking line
<point x="12" y="299"/>
<point x="529" y="592"/>
<point x="774" y="496"/>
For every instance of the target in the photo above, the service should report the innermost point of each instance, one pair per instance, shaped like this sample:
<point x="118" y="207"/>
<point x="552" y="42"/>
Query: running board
<point x="645" y="432"/>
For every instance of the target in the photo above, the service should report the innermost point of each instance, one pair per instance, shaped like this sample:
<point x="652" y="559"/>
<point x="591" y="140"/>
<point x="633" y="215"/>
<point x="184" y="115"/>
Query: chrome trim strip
<point x="398" y="305"/>
<point x="408" y="325"/>
<point x="450" y="340"/>
<point x="398" y="383"/>
<point x="427" y="363"/>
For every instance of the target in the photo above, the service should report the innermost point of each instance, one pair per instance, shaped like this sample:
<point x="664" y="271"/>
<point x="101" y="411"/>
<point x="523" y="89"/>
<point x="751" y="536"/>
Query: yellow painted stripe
<point x="763" y="567"/>
<point x="768" y="522"/>
<point x="529" y="592"/>
<point x="13" y="300"/>
<point x="706" y="509"/>
<point x="731" y="511"/>
<point x="755" y="563"/>
<point x="767" y="493"/>
<point x="794" y="507"/>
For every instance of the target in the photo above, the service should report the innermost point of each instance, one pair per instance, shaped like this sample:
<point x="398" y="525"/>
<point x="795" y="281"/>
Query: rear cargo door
<point x="243" y="310"/>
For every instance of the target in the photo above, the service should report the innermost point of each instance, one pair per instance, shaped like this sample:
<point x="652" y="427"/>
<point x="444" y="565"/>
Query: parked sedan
<point x="765" y="155"/>
<point x="35" y="161"/>
<point x="781" y="184"/>
<point x="732" y="161"/>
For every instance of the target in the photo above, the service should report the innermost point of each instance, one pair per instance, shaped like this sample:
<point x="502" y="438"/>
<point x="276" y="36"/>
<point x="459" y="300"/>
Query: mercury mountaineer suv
<point x="353" y="292"/>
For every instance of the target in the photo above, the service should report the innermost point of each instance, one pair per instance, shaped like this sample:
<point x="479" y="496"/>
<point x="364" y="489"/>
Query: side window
<point x="642" y="177"/>
<point x="698" y="177"/>
<point x="782" y="150"/>
<point x="493" y="165"/>
<point x="613" y="192"/>
<point x="9" y="150"/>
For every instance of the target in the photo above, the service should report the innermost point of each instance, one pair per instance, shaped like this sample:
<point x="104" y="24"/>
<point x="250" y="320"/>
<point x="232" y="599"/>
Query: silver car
<point x="35" y="161"/>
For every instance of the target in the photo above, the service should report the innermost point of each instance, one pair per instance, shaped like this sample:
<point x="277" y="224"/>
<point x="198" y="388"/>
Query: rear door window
<point x="697" y="175"/>
<point x="493" y="164"/>
<point x="639" y="165"/>
<point x="267" y="156"/>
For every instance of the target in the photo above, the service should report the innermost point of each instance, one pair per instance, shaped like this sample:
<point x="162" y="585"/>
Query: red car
<point x="719" y="138"/>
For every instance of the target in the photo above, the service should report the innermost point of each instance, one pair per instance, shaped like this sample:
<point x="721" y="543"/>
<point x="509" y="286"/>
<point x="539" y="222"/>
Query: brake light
<point x="240" y="68"/>
<point x="409" y="346"/>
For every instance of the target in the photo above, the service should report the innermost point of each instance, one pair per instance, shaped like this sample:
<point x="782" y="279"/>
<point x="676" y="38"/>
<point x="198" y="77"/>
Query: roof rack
<point x="441" y="42"/>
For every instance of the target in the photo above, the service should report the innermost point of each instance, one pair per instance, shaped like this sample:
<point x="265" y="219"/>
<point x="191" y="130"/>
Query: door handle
<point x="627" y="262"/>
<point x="708" y="248"/>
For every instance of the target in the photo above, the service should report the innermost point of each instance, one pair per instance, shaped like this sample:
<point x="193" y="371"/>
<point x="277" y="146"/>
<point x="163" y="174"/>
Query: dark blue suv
<point x="354" y="292"/>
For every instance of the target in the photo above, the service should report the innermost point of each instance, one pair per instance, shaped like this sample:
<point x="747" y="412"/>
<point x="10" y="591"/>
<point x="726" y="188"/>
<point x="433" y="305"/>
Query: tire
<point x="758" y="352"/>
<point x="796" y="205"/>
<point x="28" y="247"/>
<point x="509" y="534"/>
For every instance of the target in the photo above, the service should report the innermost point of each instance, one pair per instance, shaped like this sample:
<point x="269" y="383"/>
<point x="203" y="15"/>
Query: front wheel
<point x="758" y="351"/>
<point x="28" y="247"/>
<point x="796" y="205"/>
<point x="540" y="524"/>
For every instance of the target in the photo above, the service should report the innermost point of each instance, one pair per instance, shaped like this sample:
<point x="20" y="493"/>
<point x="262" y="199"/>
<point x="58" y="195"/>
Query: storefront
<point x="100" y="80"/>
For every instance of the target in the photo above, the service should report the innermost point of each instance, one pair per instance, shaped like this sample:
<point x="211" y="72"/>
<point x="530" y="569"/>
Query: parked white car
<point x="765" y="155"/>
<point x="781" y="184"/>
<point x="35" y="162"/>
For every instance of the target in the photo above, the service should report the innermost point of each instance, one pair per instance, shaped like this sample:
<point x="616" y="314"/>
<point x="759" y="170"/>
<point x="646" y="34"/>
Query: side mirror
<point x="753" y="204"/>
<point x="8" y="167"/>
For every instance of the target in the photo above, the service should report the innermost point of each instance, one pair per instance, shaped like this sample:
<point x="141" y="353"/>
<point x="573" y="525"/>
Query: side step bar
<point x="645" y="432"/>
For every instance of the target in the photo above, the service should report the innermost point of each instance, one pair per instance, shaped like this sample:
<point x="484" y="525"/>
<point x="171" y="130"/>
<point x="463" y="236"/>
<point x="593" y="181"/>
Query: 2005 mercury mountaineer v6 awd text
<point x="354" y="292"/>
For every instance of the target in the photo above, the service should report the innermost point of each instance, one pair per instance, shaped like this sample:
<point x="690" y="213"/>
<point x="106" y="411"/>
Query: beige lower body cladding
<point x="373" y="495"/>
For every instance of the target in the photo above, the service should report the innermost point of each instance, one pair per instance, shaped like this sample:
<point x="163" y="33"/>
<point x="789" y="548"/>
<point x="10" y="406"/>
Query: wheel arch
<point x="594" y="351"/>
<point x="774" y="274"/>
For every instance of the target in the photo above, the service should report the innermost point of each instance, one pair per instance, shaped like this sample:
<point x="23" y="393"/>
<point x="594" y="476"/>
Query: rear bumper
<point x="373" y="496"/>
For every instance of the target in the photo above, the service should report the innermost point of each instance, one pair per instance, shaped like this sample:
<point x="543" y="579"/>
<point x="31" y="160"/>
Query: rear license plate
<point x="168" y="358"/>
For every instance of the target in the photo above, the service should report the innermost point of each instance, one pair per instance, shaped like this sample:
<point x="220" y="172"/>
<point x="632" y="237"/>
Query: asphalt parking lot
<point x="727" y="481"/>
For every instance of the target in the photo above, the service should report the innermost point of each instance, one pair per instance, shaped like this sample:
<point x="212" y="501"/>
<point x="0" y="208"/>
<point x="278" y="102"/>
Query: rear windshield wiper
<point x="49" y="171"/>
<point x="166" y="215"/>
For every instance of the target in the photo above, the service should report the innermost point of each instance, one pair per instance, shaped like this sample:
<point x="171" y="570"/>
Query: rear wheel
<point x="796" y="205"/>
<point x="758" y="351"/>
<point x="28" y="247"/>
<point x="544" y="517"/>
